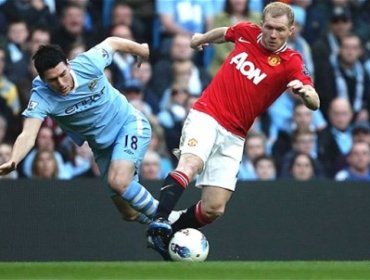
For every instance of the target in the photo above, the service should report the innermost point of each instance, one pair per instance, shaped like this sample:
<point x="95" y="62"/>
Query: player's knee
<point x="190" y="165"/>
<point x="117" y="183"/>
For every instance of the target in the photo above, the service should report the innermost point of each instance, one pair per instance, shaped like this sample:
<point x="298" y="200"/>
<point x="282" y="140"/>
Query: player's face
<point x="275" y="32"/>
<point x="59" y="78"/>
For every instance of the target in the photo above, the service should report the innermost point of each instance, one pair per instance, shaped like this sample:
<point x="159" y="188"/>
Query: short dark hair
<point x="47" y="57"/>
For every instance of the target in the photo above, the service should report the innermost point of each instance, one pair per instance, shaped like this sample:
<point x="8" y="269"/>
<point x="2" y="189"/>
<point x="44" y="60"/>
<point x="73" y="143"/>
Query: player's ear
<point x="68" y="64"/>
<point x="291" y="30"/>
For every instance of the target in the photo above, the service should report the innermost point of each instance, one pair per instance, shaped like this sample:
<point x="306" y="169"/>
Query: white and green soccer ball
<point x="188" y="245"/>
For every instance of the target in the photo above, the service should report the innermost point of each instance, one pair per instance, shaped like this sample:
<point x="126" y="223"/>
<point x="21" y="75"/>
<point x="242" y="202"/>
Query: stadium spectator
<point x="133" y="91"/>
<point x="214" y="131"/>
<point x="10" y="104"/>
<point x="362" y="24"/>
<point x="16" y="47"/>
<point x="45" y="166"/>
<point x="78" y="160"/>
<point x="302" y="167"/>
<point x="45" y="141"/>
<point x="181" y="51"/>
<point x="254" y="147"/>
<point x="186" y="75"/>
<point x="361" y="132"/>
<point x="5" y="153"/>
<point x="72" y="29"/>
<point x="34" y="12"/>
<point x="39" y="35"/>
<point x="76" y="49"/>
<point x="234" y="11"/>
<point x="265" y="168"/>
<point x="122" y="13"/>
<point x="303" y="119"/>
<point x="335" y="141"/>
<point x="9" y="99"/>
<point x="349" y="77"/>
<point x="182" y="17"/>
<point x="92" y="14"/>
<point x="150" y="168"/>
<point x="143" y="76"/>
<point x="358" y="164"/>
<point x="303" y="141"/>
<point x="327" y="46"/>
<point x="172" y="117"/>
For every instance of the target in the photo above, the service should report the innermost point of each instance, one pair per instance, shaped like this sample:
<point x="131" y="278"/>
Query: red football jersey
<point x="250" y="79"/>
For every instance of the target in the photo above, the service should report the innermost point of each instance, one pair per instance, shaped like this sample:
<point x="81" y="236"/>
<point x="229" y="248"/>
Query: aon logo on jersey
<point x="247" y="68"/>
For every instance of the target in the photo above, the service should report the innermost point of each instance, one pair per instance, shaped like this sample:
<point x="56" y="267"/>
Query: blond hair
<point x="277" y="9"/>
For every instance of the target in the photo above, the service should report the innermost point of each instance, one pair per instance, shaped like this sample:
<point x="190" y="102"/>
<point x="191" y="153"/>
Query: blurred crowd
<point x="287" y="141"/>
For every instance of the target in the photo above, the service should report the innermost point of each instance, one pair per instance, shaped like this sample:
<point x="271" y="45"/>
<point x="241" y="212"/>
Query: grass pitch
<point x="208" y="270"/>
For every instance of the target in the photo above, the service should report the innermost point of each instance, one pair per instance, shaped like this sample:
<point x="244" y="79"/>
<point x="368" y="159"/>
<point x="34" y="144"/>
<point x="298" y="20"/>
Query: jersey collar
<point x="75" y="82"/>
<point x="280" y="50"/>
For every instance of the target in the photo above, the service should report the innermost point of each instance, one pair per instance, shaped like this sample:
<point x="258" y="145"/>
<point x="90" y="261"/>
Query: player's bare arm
<point x="128" y="46"/>
<point x="214" y="36"/>
<point x="307" y="93"/>
<point x="24" y="143"/>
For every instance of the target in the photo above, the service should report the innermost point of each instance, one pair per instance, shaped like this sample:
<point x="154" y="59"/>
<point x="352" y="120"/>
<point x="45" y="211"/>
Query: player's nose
<point x="274" y="34"/>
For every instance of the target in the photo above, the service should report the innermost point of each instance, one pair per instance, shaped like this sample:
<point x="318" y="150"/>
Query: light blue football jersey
<point x="93" y="111"/>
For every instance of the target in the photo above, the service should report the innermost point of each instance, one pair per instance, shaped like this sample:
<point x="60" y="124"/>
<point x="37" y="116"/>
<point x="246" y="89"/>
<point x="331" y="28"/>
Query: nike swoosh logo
<point x="242" y="40"/>
<point x="165" y="187"/>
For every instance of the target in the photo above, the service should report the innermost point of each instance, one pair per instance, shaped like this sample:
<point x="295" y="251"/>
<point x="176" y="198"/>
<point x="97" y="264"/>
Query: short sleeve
<point x="37" y="107"/>
<point x="298" y="70"/>
<point x="244" y="29"/>
<point x="96" y="59"/>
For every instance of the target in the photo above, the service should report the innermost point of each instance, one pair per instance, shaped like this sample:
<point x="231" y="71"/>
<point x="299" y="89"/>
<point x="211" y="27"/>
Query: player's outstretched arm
<point x="24" y="143"/>
<point x="214" y="36"/>
<point x="128" y="46"/>
<point x="307" y="93"/>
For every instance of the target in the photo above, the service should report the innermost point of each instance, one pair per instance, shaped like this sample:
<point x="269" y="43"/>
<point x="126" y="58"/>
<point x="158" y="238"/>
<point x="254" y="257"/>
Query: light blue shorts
<point x="131" y="144"/>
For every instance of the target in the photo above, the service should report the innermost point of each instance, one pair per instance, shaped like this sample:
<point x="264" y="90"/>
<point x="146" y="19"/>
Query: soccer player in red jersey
<point x="256" y="72"/>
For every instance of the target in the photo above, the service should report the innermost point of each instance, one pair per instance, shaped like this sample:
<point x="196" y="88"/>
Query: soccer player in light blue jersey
<point x="79" y="97"/>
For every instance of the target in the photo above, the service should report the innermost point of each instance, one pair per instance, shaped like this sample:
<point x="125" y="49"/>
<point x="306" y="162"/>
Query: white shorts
<point x="220" y="150"/>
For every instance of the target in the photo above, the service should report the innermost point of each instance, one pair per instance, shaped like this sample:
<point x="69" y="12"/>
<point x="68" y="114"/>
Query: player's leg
<point x="218" y="180"/>
<point x="197" y="141"/>
<point x="123" y="181"/>
<point x="128" y="213"/>
<point x="206" y="211"/>
<point x="176" y="182"/>
<point x="128" y="152"/>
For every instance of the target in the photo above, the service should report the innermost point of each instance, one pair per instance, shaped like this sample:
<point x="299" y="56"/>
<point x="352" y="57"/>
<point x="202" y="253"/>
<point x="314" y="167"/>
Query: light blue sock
<point x="142" y="219"/>
<point x="140" y="199"/>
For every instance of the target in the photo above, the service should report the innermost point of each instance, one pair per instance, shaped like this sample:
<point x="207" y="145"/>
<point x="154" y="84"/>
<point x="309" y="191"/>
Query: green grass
<point x="208" y="270"/>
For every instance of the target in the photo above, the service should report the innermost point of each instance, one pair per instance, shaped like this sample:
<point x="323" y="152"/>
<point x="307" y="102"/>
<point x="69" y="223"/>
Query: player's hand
<point x="144" y="56"/>
<point x="196" y="42"/>
<point x="307" y="93"/>
<point x="296" y="86"/>
<point x="7" y="167"/>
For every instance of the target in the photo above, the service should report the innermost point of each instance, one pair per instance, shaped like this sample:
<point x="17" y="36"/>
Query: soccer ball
<point x="189" y="245"/>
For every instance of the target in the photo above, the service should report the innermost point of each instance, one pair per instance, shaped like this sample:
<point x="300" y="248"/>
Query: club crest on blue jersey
<point x="92" y="84"/>
<point x="32" y="105"/>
